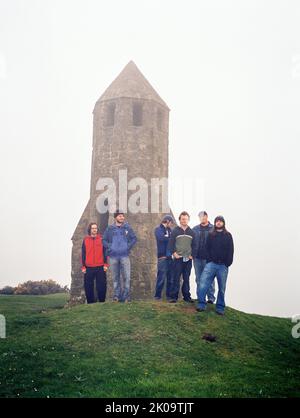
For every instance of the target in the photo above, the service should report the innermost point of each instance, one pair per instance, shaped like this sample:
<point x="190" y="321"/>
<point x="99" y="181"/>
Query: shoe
<point x="126" y="301"/>
<point x="200" y="310"/>
<point x="157" y="299"/>
<point x="220" y="313"/>
<point x="115" y="300"/>
<point x="172" y="301"/>
<point x="189" y="300"/>
<point x="210" y="301"/>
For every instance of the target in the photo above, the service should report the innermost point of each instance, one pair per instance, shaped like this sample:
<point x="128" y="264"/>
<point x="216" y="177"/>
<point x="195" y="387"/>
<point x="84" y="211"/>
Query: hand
<point x="105" y="268"/>
<point x="176" y="255"/>
<point x="83" y="269"/>
<point x="190" y="257"/>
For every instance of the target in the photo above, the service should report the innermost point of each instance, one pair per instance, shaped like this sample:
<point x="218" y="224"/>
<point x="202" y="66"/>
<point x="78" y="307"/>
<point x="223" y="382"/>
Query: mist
<point x="230" y="73"/>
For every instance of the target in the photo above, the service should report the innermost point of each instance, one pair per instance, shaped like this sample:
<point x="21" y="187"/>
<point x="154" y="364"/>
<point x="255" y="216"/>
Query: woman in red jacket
<point x="94" y="265"/>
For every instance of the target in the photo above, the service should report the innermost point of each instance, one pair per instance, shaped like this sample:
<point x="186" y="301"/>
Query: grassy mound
<point x="142" y="349"/>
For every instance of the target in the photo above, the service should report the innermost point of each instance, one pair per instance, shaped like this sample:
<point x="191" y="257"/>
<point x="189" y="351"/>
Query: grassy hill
<point x="142" y="349"/>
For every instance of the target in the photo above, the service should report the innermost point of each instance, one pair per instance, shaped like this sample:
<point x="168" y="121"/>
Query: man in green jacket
<point x="183" y="247"/>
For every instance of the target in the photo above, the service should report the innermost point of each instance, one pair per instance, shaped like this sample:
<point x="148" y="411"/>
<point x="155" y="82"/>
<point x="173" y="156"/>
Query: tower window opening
<point x="159" y="119"/>
<point x="110" y="115"/>
<point x="137" y="114"/>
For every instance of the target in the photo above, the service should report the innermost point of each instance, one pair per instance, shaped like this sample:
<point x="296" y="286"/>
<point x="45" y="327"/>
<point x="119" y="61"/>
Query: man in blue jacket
<point x="164" y="257"/>
<point x="118" y="240"/>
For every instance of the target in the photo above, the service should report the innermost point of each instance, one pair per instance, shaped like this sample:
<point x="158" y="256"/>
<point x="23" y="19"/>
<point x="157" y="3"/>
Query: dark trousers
<point x="183" y="269"/>
<point x="91" y="274"/>
<point x="164" y="274"/>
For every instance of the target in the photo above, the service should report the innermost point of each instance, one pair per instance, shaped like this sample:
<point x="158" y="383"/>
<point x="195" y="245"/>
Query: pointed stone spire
<point x="131" y="83"/>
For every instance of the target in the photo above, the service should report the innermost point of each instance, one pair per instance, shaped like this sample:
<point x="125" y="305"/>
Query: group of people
<point x="209" y="247"/>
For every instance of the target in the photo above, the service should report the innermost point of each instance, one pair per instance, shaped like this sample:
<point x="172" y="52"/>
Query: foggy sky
<point x="229" y="71"/>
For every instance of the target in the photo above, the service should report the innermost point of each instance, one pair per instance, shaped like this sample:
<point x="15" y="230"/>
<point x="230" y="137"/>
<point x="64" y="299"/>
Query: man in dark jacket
<point x="94" y="265"/>
<point x="220" y="256"/>
<point x="182" y="246"/>
<point x="164" y="257"/>
<point x="202" y="230"/>
<point x="118" y="240"/>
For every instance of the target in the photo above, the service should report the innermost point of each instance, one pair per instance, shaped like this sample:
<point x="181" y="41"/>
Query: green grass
<point x="142" y="349"/>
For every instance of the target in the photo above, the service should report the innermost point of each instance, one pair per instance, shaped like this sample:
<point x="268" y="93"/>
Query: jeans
<point x="164" y="274"/>
<point x="120" y="266"/>
<point x="210" y="271"/>
<point x="199" y="265"/>
<point x="91" y="274"/>
<point x="181" y="268"/>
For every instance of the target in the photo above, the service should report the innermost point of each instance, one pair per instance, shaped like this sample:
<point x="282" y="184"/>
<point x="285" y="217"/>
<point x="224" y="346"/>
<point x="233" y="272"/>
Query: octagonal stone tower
<point x="130" y="132"/>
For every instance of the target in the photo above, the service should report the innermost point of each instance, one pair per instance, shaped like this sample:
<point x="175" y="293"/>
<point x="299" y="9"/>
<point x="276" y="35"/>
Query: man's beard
<point x="219" y="228"/>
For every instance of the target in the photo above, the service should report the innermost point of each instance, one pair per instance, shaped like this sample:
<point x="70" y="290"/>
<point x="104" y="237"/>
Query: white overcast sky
<point x="229" y="71"/>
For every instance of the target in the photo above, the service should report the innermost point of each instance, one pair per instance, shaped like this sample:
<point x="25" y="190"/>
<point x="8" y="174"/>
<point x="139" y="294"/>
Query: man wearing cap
<point x="164" y="257"/>
<point x="118" y="240"/>
<point x="220" y="256"/>
<point x="202" y="230"/>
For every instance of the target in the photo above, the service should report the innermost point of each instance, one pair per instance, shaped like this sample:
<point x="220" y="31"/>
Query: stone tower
<point x="130" y="133"/>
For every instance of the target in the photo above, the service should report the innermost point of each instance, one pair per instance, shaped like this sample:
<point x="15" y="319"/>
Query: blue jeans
<point x="120" y="266"/>
<point x="210" y="271"/>
<point x="164" y="274"/>
<point x="181" y="268"/>
<point x="199" y="265"/>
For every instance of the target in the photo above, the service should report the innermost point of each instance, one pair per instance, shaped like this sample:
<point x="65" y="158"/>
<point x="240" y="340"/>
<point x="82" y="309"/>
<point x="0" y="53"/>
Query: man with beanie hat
<point x="220" y="250"/>
<point x="202" y="230"/>
<point x="118" y="240"/>
<point x="164" y="257"/>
